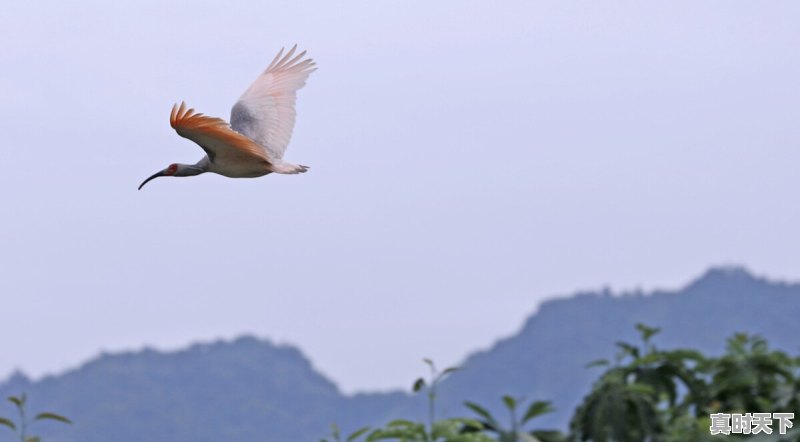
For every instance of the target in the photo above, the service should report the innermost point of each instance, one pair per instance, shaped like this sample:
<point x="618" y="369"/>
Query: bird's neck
<point x="190" y="170"/>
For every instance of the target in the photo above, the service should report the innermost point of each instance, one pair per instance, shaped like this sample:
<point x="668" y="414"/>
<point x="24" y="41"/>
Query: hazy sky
<point x="468" y="160"/>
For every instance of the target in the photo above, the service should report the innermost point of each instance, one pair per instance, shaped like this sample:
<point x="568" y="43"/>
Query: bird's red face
<point x="171" y="170"/>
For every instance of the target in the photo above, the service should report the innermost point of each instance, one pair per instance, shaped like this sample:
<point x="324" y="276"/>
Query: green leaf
<point x="8" y="423"/>
<point x="402" y="430"/>
<point x="629" y="349"/>
<point x="444" y="429"/>
<point x="446" y="371"/>
<point x="482" y="412"/>
<point x="52" y="416"/>
<point x="537" y="408"/>
<point x="467" y="422"/>
<point x="647" y="332"/>
<point x="356" y="434"/>
<point x="549" y="436"/>
<point x="449" y="370"/>
<point x="19" y="402"/>
<point x="510" y="402"/>
<point x="452" y="430"/>
<point x="401" y="423"/>
<point x="598" y="363"/>
<point x="523" y="437"/>
<point x="395" y="434"/>
<point x="418" y="385"/>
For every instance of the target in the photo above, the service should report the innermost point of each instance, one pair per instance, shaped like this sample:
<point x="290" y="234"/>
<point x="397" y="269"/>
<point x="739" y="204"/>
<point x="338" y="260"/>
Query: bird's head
<point x="171" y="170"/>
<point x="175" y="170"/>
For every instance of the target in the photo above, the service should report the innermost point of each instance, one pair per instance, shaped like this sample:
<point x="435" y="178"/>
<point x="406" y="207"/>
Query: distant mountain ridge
<point x="245" y="389"/>
<point x="251" y="389"/>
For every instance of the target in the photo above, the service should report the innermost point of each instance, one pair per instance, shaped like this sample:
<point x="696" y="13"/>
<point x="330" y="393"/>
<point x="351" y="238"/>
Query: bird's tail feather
<point x="287" y="168"/>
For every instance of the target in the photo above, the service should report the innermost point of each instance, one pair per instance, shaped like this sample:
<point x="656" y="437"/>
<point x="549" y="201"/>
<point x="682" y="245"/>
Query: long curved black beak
<point x="155" y="175"/>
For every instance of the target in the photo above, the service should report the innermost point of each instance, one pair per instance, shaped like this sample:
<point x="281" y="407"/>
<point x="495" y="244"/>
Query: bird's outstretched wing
<point x="215" y="136"/>
<point x="265" y="112"/>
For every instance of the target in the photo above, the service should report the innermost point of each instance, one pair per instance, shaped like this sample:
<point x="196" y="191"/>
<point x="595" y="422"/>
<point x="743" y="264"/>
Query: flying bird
<point x="254" y="142"/>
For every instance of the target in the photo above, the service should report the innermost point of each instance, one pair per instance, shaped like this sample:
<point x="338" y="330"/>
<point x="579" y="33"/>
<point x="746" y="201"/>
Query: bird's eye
<point x="172" y="169"/>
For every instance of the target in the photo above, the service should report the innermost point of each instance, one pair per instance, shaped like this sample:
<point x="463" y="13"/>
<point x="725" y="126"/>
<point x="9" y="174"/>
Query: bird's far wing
<point x="214" y="135"/>
<point x="265" y="112"/>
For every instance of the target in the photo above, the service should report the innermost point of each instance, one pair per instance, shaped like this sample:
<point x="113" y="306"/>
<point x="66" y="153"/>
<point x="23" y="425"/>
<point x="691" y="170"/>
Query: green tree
<point x="639" y="397"/>
<point x="667" y="396"/>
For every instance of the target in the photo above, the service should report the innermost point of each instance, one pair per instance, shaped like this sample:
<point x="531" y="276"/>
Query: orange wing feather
<point x="214" y="135"/>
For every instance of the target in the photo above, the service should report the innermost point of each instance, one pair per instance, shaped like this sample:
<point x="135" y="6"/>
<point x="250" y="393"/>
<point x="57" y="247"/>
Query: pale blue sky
<point x="468" y="160"/>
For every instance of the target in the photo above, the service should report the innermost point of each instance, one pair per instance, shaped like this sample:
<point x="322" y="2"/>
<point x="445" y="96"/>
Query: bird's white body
<point x="253" y="144"/>
<point x="235" y="169"/>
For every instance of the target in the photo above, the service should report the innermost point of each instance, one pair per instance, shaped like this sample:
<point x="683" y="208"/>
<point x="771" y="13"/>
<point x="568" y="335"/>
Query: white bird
<point x="261" y="126"/>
